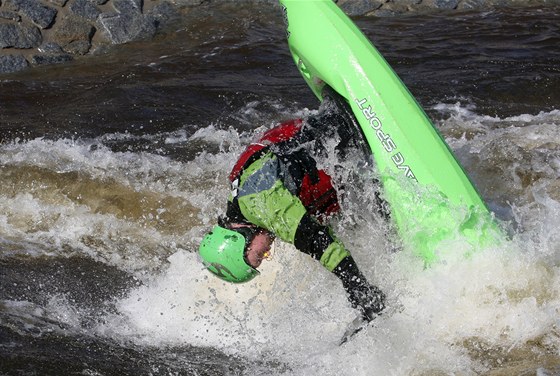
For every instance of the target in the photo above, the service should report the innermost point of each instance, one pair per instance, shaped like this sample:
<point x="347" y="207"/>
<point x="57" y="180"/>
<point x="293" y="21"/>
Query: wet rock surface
<point x="37" y="32"/>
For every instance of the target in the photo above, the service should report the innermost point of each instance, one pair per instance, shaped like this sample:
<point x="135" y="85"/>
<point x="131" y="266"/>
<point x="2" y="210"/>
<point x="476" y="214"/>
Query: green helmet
<point x="222" y="251"/>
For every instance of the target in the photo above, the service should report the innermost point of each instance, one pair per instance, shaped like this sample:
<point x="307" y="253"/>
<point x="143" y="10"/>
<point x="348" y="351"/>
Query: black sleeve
<point x="369" y="299"/>
<point x="311" y="237"/>
<point x="233" y="212"/>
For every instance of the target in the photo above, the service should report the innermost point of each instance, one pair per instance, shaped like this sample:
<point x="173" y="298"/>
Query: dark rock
<point x="384" y="13"/>
<point x="392" y="9"/>
<point x="74" y="35"/>
<point x="406" y="2"/>
<point x="441" y="4"/>
<point x="472" y="4"/>
<point x="164" y="12"/>
<point x="125" y="6"/>
<point x="60" y="3"/>
<point x="129" y="24"/>
<point x="41" y="15"/>
<point x="78" y="47"/>
<point x="189" y="2"/>
<point x="86" y="9"/>
<point x="12" y="63"/>
<point x="359" y="7"/>
<point x="50" y="48"/>
<point x="101" y="2"/>
<point x="50" y="59"/>
<point x="19" y="36"/>
<point x="9" y="15"/>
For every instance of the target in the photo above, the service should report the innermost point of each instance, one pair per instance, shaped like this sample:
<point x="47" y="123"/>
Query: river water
<point x="112" y="168"/>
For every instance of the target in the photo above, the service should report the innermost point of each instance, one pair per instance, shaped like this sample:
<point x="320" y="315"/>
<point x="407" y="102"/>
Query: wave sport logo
<point x="386" y="141"/>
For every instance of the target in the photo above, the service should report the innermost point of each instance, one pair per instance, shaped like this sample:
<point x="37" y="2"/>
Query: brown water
<point x="112" y="167"/>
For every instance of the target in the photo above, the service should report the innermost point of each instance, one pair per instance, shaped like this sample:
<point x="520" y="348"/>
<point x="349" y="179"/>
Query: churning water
<point x="113" y="167"/>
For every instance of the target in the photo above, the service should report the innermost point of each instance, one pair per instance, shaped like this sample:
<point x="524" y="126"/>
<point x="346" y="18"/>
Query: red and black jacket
<point x="300" y="176"/>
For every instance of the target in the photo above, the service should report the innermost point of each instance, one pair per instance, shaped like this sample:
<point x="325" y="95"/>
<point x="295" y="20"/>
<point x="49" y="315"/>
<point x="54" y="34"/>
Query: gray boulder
<point x="60" y="3"/>
<point x="9" y="15"/>
<point x="74" y="35"/>
<point x="19" y="36"/>
<point x="86" y="9"/>
<point x="164" y="12"/>
<point x="12" y="63"/>
<point x="128" y="23"/>
<point x="48" y="59"/>
<point x="39" y="14"/>
<point x="50" y="48"/>
<point x="441" y="4"/>
<point x="359" y="7"/>
<point x="472" y="4"/>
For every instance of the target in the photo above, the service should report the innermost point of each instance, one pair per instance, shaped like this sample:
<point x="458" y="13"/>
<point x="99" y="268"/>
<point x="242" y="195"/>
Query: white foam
<point x="59" y="224"/>
<point x="437" y="320"/>
<point x="295" y="312"/>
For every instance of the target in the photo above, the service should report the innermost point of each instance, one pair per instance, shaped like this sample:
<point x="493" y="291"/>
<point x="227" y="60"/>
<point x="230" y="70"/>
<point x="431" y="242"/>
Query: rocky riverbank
<point x="37" y="32"/>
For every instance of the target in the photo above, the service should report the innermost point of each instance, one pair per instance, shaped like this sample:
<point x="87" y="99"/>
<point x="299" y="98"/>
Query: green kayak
<point x="433" y="203"/>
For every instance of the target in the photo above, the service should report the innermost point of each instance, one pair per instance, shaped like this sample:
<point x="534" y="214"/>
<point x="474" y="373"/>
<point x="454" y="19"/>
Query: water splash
<point x="145" y="213"/>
